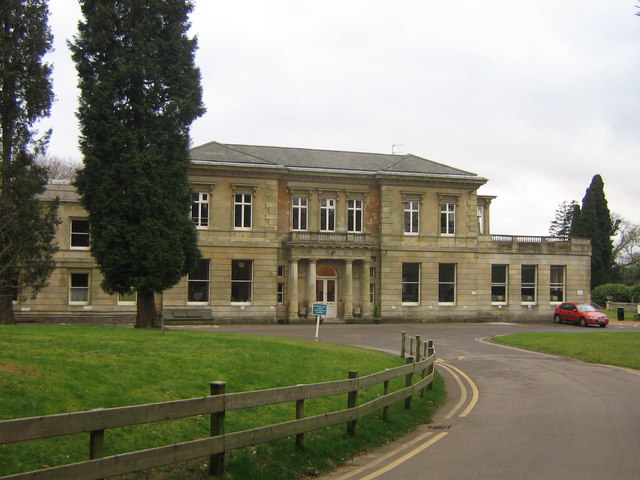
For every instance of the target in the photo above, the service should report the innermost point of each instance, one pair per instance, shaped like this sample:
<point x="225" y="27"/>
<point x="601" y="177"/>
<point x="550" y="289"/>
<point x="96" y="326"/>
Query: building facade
<point x="375" y="237"/>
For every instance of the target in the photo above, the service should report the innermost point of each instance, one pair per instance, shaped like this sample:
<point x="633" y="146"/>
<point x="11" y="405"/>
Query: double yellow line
<point x="458" y="376"/>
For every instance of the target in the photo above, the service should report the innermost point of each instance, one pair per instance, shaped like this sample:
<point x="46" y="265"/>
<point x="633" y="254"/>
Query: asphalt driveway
<point x="510" y="414"/>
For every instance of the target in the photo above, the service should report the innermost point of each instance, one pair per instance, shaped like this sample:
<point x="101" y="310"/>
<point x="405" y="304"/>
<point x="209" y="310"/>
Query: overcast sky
<point x="536" y="96"/>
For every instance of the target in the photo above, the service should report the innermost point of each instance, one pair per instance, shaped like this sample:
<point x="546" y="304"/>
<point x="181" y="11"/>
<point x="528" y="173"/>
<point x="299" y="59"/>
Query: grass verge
<point x="55" y="369"/>
<point x="619" y="349"/>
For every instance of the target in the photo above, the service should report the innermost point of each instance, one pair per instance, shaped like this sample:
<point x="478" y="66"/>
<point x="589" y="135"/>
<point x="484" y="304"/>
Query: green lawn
<point x="55" y="369"/>
<point x="609" y="348"/>
<point x="629" y="314"/>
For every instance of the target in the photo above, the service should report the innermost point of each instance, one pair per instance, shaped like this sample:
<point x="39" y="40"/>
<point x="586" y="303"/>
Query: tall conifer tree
<point x="594" y="221"/>
<point x="140" y="92"/>
<point x="27" y="225"/>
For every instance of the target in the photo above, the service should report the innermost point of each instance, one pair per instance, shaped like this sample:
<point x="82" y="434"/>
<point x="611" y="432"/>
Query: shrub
<point x="634" y="293"/>
<point x="617" y="291"/>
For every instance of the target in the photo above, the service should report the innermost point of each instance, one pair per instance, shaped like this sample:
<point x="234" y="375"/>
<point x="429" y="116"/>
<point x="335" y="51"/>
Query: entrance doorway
<point x="326" y="288"/>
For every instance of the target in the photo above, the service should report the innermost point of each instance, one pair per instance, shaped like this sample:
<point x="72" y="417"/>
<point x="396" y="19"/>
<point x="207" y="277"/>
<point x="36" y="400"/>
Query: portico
<point x="329" y="276"/>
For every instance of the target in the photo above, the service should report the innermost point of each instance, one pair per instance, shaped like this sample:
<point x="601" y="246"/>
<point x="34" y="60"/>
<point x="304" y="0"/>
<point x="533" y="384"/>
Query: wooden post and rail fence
<point x="419" y="363"/>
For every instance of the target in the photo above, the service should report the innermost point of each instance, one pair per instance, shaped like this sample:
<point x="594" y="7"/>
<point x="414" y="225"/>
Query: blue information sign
<point x="319" y="309"/>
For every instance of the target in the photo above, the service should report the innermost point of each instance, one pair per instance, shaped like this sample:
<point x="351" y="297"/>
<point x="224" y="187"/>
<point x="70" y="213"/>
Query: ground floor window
<point x="528" y="283"/>
<point x="241" y="281"/>
<point x="78" y="288"/>
<point x="280" y="293"/>
<point x="498" y="283"/>
<point x="198" y="283"/>
<point x="411" y="283"/>
<point x="556" y="285"/>
<point x="372" y="293"/>
<point x="128" y="298"/>
<point x="447" y="283"/>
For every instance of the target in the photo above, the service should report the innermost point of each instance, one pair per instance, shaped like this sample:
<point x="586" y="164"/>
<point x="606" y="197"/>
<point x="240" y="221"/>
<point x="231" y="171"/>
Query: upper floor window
<point x="447" y="283"/>
<point x="556" y="283"/>
<point x="327" y="215"/>
<point x="242" y="206"/>
<point x="411" y="217"/>
<point x="79" y="234"/>
<point x="528" y="283"/>
<point x="481" y="219"/>
<point x="499" y="283"/>
<point x="299" y="210"/>
<point x="198" y="283"/>
<point x="354" y="216"/>
<point x="447" y="219"/>
<point x="200" y="209"/>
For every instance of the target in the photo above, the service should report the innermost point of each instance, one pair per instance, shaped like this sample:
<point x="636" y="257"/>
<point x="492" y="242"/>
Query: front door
<point x="326" y="293"/>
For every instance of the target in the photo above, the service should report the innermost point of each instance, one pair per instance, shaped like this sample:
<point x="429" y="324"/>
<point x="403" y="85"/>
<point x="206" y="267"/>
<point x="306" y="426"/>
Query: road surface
<point x="510" y="414"/>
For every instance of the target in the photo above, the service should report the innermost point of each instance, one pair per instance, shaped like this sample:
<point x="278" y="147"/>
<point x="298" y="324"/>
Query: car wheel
<point x="583" y="322"/>
<point x="602" y="326"/>
<point x="556" y="318"/>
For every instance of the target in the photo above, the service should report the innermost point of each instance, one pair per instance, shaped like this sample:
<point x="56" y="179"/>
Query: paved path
<point x="510" y="414"/>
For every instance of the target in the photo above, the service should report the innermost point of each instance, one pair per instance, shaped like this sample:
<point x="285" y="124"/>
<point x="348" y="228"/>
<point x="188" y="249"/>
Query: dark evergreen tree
<point x="561" y="224"/>
<point x="594" y="222"/>
<point x="27" y="225"/>
<point x="140" y="92"/>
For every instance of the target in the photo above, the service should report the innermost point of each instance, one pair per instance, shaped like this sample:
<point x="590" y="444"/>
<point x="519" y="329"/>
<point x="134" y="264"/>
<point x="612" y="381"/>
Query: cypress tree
<point x="140" y="92"/>
<point x="27" y="225"/>
<point x="593" y="221"/>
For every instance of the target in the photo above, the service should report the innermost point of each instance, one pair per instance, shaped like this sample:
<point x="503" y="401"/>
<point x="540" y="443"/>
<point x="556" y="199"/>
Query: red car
<point x="579" y="313"/>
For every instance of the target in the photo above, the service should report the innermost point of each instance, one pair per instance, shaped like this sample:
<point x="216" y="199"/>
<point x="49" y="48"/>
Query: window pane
<point x="528" y="274"/>
<point x="240" y="292"/>
<point x="446" y="293"/>
<point x="498" y="273"/>
<point x="447" y="272"/>
<point x="241" y="269"/>
<point x="201" y="272"/>
<point x="410" y="272"/>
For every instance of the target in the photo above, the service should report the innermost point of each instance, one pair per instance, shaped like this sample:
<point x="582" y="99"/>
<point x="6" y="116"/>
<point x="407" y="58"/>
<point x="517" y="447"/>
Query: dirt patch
<point x="10" y="369"/>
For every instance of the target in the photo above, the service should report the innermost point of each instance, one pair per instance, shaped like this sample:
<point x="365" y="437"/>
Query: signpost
<point x="319" y="310"/>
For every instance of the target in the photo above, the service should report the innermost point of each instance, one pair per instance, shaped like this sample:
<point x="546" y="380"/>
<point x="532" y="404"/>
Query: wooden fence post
<point x="407" y="383"/>
<point x="403" y="344"/>
<point x="96" y="444"/>
<point x="216" y="461"/>
<point x="352" y="401"/>
<point x="385" y="410"/>
<point x="299" y="415"/>
<point x="430" y="352"/>
<point x="417" y="348"/>
<point x="411" y="346"/>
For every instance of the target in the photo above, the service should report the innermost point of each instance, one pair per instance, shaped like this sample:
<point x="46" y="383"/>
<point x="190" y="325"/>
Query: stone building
<point x="376" y="237"/>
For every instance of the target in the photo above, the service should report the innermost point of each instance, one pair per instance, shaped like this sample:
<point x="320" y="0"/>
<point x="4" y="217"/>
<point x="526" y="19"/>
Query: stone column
<point x="365" y="282"/>
<point x="348" y="289"/>
<point x="311" y="286"/>
<point x="293" y="290"/>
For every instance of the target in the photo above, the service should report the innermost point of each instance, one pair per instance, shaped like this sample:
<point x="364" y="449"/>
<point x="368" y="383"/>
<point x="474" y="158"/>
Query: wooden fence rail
<point x="95" y="422"/>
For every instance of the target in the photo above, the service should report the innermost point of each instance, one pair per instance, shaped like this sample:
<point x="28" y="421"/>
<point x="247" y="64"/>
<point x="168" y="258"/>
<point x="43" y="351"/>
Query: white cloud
<point x="537" y="97"/>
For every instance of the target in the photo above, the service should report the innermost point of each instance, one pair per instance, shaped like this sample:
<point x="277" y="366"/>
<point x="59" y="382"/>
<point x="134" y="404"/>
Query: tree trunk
<point x="6" y="310"/>
<point x="147" y="314"/>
